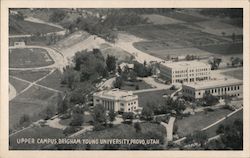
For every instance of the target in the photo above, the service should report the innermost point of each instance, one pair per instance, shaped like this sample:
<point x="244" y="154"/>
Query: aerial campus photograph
<point x="125" y="79"/>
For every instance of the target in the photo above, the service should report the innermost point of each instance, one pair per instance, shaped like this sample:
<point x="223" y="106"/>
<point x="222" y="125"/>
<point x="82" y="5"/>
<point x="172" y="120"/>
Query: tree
<point x="24" y="120"/>
<point x="62" y="103"/>
<point x="137" y="127"/>
<point x="232" y="136"/>
<point x="215" y="62"/>
<point x="111" y="63"/>
<point x="118" y="82"/>
<point x="147" y="113"/>
<point x="119" y="70"/>
<point x="200" y="137"/>
<point x="127" y="116"/>
<point x="112" y="115"/>
<point x="210" y="99"/>
<point x="70" y="77"/>
<point x="57" y="16"/>
<point x="99" y="114"/>
<point x="77" y="119"/>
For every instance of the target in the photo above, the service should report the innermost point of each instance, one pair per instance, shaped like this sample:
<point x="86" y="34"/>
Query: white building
<point x="117" y="100"/>
<point x="19" y="44"/>
<point x="230" y="87"/>
<point x="124" y="65"/>
<point x="185" y="71"/>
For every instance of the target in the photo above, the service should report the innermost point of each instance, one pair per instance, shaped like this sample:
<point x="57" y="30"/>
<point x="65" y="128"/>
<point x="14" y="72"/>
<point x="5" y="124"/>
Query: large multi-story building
<point x="185" y="71"/>
<point x="117" y="100"/>
<point x="229" y="87"/>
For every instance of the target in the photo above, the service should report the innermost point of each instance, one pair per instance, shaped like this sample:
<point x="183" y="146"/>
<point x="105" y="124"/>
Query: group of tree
<point x="57" y="15"/>
<point x="236" y="61"/>
<point x="215" y="63"/>
<point x="199" y="137"/>
<point x="209" y="99"/>
<point x="190" y="57"/>
<point x="142" y="70"/>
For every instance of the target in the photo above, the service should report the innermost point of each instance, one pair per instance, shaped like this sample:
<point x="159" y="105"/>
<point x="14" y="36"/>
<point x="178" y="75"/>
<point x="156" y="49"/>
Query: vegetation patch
<point x="235" y="74"/>
<point x="224" y="49"/>
<point x="199" y="120"/>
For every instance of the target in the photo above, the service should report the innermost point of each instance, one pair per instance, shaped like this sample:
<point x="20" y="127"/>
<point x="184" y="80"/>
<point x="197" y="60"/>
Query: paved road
<point x="169" y="128"/>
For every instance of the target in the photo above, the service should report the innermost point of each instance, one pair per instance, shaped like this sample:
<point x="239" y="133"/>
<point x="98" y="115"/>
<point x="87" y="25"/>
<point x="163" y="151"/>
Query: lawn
<point x="238" y="74"/>
<point x="29" y="75"/>
<point x="212" y="131"/>
<point x="29" y="57"/>
<point x="17" y="27"/>
<point x="17" y="84"/>
<point x="132" y="85"/>
<point x="200" y="120"/>
<point x="34" y="132"/>
<point x="224" y="49"/>
<point x="31" y="102"/>
<point x="152" y="97"/>
<point x="53" y="81"/>
<point x="123" y="131"/>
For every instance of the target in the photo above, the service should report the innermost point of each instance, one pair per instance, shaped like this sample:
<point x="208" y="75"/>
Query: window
<point x="238" y="87"/>
<point x="135" y="102"/>
<point x="128" y="109"/>
<point x="97" y="100"/>
<point x="199" y="93"/>
<point x="135" y="107"/>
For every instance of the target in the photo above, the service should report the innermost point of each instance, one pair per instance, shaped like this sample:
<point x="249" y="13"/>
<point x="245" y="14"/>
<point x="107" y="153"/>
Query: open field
<point x="235" y="74"/>
<point x="29" y="75"/>
<point x="29" y="57"/>
<point x="174" y="35"/>
<point x="189" y="124"/>
<point x="120" y="54"/>
<point x="18" y="27"/>
<point x="224" y="49"/>
<point x="152" y="97"/>
<point x="164" y="52"/>
<point x="132" y="85"/>
<point x="32" y="101"/>
<point x="160" y="19"/>
<point x="36" y="133"/>
<point x="212" y="131"/>
<point x="53" y="81"/>
<point x="185" y="17"/>
<point x="17" y="84"/>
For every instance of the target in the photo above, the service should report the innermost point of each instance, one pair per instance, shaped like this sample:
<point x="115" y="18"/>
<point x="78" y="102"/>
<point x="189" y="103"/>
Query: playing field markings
<point x="35" y="83"/>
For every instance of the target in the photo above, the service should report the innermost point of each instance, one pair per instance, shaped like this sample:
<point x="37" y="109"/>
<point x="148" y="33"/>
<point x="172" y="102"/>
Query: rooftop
<point x="115" y="93"/>
<point x="185" y="64"/>
<point x="214" y="83"/>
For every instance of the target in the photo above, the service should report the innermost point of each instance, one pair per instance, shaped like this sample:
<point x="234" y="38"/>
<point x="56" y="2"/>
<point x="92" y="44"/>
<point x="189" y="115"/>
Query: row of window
<point x="224" y="89"/>
<point x="132" y="108"/>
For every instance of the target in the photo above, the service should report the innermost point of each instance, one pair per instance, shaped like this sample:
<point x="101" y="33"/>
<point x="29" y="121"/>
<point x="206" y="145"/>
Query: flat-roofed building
<point x="185" y="71"/>
<point x="230" y="87"/>
<point x="117" y="100"/>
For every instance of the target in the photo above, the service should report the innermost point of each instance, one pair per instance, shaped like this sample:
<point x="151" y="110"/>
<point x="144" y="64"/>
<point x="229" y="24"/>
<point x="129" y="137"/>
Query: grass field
<point x="29" y="57"/>
<point x="235" y="74"/>
<point x="53" y="81"/>
<point x="18" y="27"/>
<point x="29" y="75"/>
<point x="123" y="131"/>
<point x="200" y="120"/>
<point x="132" y="85"/>
<point x="31" y="102"/>
<point x="17" y="84"/>
<point x="224" y="49"/>
<point x="185" y="17"/>
<point x="212" y="131"/>
<point x="152" y="97"/>
<point x="34" y="132"/>
<point x="160" y="19"/>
